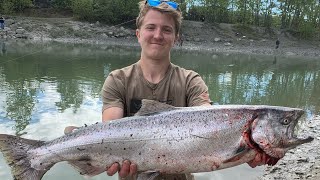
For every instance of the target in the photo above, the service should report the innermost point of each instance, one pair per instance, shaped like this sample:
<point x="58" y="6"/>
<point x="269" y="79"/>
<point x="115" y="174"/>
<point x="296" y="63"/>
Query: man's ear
<point x="138" y="33"/>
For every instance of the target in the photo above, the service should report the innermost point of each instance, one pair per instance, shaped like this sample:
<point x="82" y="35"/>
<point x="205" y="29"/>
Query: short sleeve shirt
<point x="126" y="87"/>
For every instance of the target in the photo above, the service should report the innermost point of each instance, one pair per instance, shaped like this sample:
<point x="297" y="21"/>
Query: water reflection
<point x="73" y="70"/>
<point x="45" y="87"/>
<point x="3" y="47"/>
<point x="20" y="103"/>
<point x="245" y="79"/>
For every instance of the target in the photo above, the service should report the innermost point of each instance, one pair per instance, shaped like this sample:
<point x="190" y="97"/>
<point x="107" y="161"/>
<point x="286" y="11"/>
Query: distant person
<point x="2" y="22"/>
<point x="277" y="43"/>
<point x="202" y="18"/>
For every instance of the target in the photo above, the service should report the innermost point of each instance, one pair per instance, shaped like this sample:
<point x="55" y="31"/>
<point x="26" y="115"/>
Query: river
<point x="45" y="87"/>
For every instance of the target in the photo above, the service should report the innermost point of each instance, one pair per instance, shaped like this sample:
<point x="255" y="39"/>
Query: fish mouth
<point x="294" y="142"/>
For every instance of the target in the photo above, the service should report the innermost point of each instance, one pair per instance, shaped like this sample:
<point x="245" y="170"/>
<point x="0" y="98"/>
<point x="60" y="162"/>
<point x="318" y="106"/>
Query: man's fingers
<point x="133" y="170"/>
<point x="125" y="169"/>
<point x="113" y="169"/>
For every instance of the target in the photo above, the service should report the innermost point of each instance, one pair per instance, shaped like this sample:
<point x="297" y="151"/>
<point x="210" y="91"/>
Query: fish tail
<point x="15" y="151"/>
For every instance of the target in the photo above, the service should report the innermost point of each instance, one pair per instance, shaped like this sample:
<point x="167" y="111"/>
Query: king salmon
<point x="162" y="139"/>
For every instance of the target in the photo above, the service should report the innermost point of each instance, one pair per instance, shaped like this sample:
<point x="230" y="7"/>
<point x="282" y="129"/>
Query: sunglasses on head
<point x="155" y="3"/>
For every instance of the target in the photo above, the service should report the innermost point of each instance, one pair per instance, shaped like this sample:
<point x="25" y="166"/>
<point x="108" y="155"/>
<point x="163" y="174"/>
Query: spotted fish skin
<point x="164" y="139"/>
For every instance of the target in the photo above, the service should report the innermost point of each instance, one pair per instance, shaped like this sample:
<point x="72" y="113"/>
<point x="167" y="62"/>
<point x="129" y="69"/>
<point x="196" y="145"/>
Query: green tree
<point x="62" y="4"/>
<point x="216" y="10"/>
<point x="115" y="11"/>
<point x="243" y="13"/>
<point x="82" y="9"/>
<point x="10" y="6"/>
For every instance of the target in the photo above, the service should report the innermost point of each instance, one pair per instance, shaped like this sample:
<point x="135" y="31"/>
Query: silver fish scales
<point x="163" y="139"/>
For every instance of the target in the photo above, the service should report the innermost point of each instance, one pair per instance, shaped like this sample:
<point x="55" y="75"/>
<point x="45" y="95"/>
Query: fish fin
<point x="153" y="175"/>
<point x="70" y="129"/>
<point x="149" y="107"/>
<point x="87" y="167"/>
<point x="148" y="175"/>
<point x="15" y="151"/>
<point x="190" y="176"/>
<point x="239" y="153"/>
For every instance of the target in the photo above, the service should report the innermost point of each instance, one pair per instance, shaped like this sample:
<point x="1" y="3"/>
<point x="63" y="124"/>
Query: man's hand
<point x="127" y="169"/>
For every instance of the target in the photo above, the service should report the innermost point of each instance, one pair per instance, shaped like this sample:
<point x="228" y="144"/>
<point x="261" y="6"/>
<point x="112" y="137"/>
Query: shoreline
<point x="251" y="49"/>
<point x="197" y="36"/>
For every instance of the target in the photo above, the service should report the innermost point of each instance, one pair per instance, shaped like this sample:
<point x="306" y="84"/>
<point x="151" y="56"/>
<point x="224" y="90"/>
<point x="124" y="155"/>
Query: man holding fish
<point x="153" y="76"/>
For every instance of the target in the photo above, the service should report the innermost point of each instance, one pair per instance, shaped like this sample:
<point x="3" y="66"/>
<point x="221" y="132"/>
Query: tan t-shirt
<point x="126" y="87"/>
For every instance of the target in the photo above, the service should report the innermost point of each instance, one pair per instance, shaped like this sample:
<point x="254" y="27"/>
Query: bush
<point x="116" y="11"/>
<point x="6" y="7"/>
<point x="307" y="31"/>
<point x="62" y="4"/>
<point x="82" y="9"/>
<point x="10" y="6"/>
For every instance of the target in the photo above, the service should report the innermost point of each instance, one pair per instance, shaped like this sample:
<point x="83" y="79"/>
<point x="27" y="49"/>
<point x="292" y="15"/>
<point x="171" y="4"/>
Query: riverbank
<point x="197" y="36"/>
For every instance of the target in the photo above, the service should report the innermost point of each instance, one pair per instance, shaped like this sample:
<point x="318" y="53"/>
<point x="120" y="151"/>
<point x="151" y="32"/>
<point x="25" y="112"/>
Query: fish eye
<point x="285" y="121"/>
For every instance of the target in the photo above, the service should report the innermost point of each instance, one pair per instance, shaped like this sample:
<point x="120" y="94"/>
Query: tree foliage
<point x="115" y="11"/>
<point x="297" y="15"/>
<point x="108" y="11"/>
<point x="62" y="4"/>
<point x="83" y="9"/>
<point x="293" y="15"/>
<point x="10" y="6"/>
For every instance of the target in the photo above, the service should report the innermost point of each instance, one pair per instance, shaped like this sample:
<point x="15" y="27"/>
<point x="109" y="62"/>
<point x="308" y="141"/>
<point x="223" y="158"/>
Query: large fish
<point x="162" y="139"/>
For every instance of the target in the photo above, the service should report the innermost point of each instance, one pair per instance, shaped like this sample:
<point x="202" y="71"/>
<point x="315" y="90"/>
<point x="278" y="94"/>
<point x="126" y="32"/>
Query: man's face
<point x="156" y="35"/>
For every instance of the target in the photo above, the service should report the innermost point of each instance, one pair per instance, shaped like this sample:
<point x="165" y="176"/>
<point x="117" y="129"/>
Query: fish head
<point x="273" y="130"/>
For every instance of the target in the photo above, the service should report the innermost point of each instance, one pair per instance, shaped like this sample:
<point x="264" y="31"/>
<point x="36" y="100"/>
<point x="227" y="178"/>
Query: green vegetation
<point x="302" y="17"/>
<point x="291" y="15"/>
<point x="9" y="6"/>
<point x="83" y="9"/>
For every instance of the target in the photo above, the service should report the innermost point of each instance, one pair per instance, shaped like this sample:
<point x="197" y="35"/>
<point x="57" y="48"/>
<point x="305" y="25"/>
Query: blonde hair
<point x="163" y="8"/>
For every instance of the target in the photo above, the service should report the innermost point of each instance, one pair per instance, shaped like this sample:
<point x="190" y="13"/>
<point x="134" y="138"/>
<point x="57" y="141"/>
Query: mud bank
<point x="196" y="36"/>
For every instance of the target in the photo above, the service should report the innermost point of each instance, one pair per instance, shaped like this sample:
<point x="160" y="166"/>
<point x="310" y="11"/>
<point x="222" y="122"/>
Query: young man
<point x="153" y="76"/>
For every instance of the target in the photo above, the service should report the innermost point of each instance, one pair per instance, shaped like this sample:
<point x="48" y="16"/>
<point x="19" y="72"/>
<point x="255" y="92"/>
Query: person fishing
<point x="153" y="76"/>
<point x="277" y="43"/>
<point x="2" y="22"/>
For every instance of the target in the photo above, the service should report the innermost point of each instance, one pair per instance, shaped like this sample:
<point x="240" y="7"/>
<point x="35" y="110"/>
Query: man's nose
<point x="158" y="34"/>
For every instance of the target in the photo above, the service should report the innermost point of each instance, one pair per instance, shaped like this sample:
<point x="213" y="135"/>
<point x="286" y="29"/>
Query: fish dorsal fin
<point x="149" y="107"/>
